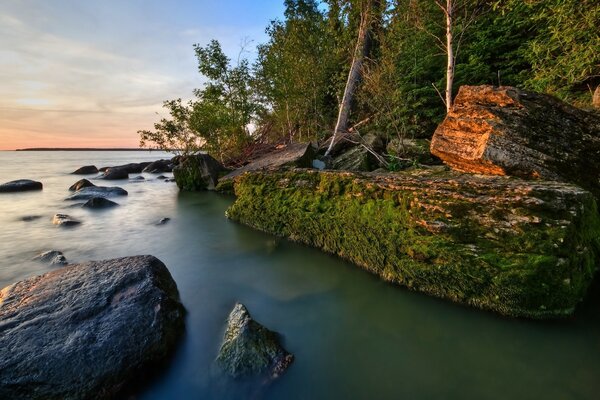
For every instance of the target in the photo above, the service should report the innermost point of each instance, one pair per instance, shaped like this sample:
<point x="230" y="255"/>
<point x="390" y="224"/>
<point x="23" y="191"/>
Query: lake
<point x="353" y="336"/>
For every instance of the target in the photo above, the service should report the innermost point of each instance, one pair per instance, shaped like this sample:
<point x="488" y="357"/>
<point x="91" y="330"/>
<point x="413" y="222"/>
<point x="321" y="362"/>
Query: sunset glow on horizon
<point x="91" y="74"/>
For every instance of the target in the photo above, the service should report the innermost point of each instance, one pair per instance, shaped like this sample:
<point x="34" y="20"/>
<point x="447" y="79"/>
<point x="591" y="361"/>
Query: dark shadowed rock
<point x="29" y="218"/>
<point x="508" y="131"/>
<point x="138" y="179"/>
<point x="99" y="203"/>
<point x="163" y="221"/>
<point x="52" y="257"/>
<point x="249" y="348"/>
<point x="115" y="173"/>
<point x="197" y="172"/>
<point x="161" y="177"/>
<point x="21" y="185"/>
<point x="87" y="170"/>
<point x="360" y="157"/>
<point x="80" y="184"/>
<point x="159" y="166"/>
<point x="65" y="220"/>
<point x="84" y="331"/>
<point x="131" y="168"/>
<point x="97" y="191"/>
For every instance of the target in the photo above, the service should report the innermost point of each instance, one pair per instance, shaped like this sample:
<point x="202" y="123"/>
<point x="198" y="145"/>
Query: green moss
<point x="517" y="259"/>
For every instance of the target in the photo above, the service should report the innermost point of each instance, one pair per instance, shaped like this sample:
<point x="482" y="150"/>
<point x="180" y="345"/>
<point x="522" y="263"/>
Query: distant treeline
<point x="79" y="149"/>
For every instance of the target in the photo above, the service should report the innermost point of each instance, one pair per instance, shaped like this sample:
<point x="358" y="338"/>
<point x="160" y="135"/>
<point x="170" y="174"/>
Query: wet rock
<point x="163" y="221"/>
<point x="52" y="257"/>
<point x="85" y="331"/>
<point x="21" y="185"/>
<point x="87" y="193"/>
<point x="65" y="220"/>
<point x="138" y="178"/>
<point x="131" y="168"/>
<point x="87" y="170"/>
<point x="249" y="348"/>
<point x="159" y="166"/>
<point x="197" y="172"/>
<point x="80" y="184"/>
<point x="292" y="155"/>
<point x="508" y="131"/>
<point x="29" y="218"/>
<point x="99" y="203"/>
<point x="161" y="177"/>
<point x="113" y="174"/>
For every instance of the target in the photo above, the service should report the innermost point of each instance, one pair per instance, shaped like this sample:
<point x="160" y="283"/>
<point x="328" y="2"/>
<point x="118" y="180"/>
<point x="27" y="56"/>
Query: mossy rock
<point x="521" y="248"/>
<point x="198" y="172"/>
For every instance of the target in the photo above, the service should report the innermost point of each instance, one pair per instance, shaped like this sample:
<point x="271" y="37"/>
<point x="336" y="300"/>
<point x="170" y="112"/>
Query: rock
<point x="411" y="151"/>
<point x="343" y="142"/>
<point x="357" y="157"/>
<point x="85" y="331"/>
<point x="168" y="180"/>
<point x="87" y="170"/>
<point x="319" y="164"/>
<point x="249" y="348"/>
<point x="64" y="220"/>
<point x="80" y="184"/>
<point x="113" y="174"/>
<point x="99" y="203"/>
<point x="163" y="221"/>
<point x="508" y="131"/>
<point x="131" y="168"/>
<point x="21" y="185"/>
<point x="161" y="177"/>
<point x="29" y="218"/>
<point x="138" y="178"/>
<point x="521" y="248"/>
<point x="197" y="172"/>
<point x="87" y="193"/>
<point x="292" y="155"/>
<point x="159" y="166"/>
<point x="596" y="98"/>
<point x="52" y="257"/>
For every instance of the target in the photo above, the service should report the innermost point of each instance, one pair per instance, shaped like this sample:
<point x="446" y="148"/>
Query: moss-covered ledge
<point x="526" y="249"/>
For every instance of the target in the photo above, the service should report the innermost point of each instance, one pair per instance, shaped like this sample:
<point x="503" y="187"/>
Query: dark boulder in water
<point x="97" y="191"/>
<point x="115" y="173"/>
<point x="21" y="185"/>
<point x="163" y="221"/>
<point x="85" y="331"/>
<point x="29" y="218"/>
<point x="99" y="203"/>
<point x="131" y="168"/>
<point x="159" y="166"/>
<point x="52" y="257"/>
<point x="251" y="349"/>
<point x="80" y="184"/>
<point x="86" y="170"/>
<point x="197" y="172"/>
<point x="65" y="220"/>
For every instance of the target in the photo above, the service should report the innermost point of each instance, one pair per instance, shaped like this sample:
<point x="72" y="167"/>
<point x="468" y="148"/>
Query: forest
<point x="392" y="67"/>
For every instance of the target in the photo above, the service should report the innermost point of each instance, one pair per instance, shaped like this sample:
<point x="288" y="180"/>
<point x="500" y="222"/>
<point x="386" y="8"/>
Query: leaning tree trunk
<point x="449" y="48"/>
<point x="360" y="53"/>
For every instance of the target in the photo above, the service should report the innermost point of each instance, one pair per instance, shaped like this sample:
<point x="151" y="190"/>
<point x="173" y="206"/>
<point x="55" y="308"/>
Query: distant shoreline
<point x="82" y="149"/>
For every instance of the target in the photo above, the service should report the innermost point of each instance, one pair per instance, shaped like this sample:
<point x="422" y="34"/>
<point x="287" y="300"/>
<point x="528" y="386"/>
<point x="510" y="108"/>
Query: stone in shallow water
<point x="99" y="203"/>
<point x="251" y="349"/>
<point x="80" y="184"/>
<point x="65" y="220"/>
<point x="21" y="185"/>
<point x="84" y="331"/>
<point x="87" y="193"/>
<point x="86" y="170"/>
<point x="52" y="257"/>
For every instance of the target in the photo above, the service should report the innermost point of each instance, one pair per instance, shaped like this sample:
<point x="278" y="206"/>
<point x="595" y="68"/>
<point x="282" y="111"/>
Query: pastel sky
<point x="91" y="73"/>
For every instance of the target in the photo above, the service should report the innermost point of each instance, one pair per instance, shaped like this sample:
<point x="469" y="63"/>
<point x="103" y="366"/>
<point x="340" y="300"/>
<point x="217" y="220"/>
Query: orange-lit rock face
<point x="508" y="131"/>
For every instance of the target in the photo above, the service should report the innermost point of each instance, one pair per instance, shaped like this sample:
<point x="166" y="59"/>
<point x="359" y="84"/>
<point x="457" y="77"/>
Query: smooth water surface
<point x="354" y="337"/>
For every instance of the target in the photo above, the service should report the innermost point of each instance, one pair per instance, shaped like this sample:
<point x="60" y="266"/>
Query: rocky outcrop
<point x="80" y="184"/>
<point x="21" y="185"/>
<point x="84" y="331"/>
<point x="87" y="193"/>
<point x="159" y="166"/>
<point x="113" y="174"/>
<point x="507" y="131"/>
<point x="97" y="203"/>
<point x="197" y="172"/>
<point x="52" y="257"/>
<point x="86" y="170"/>
<point x="65" y="220"/>
<point x="249" y="348"/>
<point x="521" y="248"/>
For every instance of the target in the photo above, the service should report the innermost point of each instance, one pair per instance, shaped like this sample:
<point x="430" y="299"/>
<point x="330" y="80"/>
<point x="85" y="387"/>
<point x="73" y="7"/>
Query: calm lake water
<point x="354" y="337"/>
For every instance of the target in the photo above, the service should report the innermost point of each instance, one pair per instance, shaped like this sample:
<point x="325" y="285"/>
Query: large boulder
<point x="249" y="348"/>
<point x="21" y="185"/>
<point x="90" y="192"/>
<point x="131" y="168"/>
<point x="360" y="156"/>
<point x="159" y="166"/>
<point x="115" y="173"/>
<point x="521" y="248"/>
<point x="86" y="170"/>
<point x="508" y="131"/>
<point x="84" y="331"/>
<point x="198" y="172"/>
<point x="80" y="184"/>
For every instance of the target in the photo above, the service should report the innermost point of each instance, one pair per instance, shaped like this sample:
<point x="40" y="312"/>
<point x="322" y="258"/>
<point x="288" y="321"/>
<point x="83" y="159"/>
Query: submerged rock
<point x="84" y="331"/>
<point x="163" y="221"/>
<point x="80" y="184"/>
<point x="508" y="131"/>
<point x="29" y="218"/>
<point x="87" y="170"/>
<point x="65" y="220"/>
<point x="249" y="348"/>
<point x="21" y="185"/>
<point x="197" y="172"/>
<point x="52" y="257"/>
<point x="87" y="193"/>
<point x="521" y="248"/>
<point x="99" y="203"/>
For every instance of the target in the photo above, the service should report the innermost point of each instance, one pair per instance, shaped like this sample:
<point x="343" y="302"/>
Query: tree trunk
<point x="449" y="47"/>
<point x="353" y="76"/>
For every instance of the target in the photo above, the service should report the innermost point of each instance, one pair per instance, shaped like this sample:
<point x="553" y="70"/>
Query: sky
<point x="91" y="73"/>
